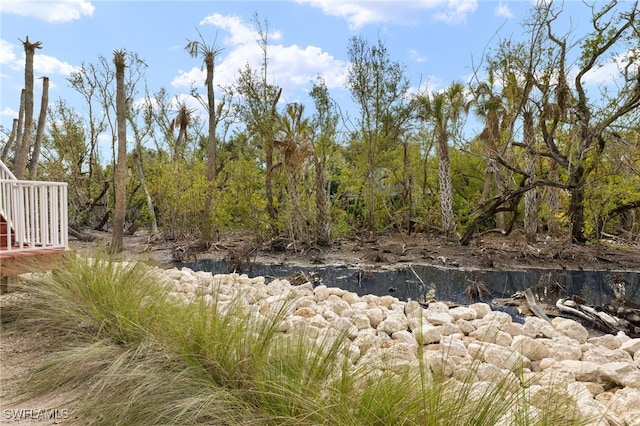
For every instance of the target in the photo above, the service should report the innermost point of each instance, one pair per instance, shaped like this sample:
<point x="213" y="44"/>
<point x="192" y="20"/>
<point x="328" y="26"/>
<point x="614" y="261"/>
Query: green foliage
<point x="379" y="164"/>
<point x="178" y="190"/>
<point x="467" y="176"/>
<point x="240" y="199"/>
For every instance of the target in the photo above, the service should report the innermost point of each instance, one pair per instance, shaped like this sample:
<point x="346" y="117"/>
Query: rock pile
<point x="601" y="373"/>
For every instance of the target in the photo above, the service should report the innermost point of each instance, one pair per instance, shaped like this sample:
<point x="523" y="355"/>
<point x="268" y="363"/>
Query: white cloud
<point x="8" y="112"/>
<point x="295" y="66"/>
<point x="456" y="11"/>
<point x="48" y="65"/>
<point x="503" y="10"/>
<point x="8" y="56"/>
<point x="240" y="33"/>
<point x="614" y="69"/>
<point x="42" y="64"/>
<point x="359" y="14"/>
<point x="49" y="11"/>
<point x="416" y="56"/>
<point x="185" y="79"/>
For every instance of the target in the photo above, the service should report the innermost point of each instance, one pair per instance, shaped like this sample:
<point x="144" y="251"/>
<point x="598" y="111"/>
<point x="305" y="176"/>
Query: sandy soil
<point x="387" y="251"/>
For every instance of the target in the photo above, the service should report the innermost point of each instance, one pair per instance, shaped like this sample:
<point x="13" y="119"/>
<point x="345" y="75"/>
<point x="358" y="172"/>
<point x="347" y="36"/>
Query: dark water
<point x="449" y="284"/>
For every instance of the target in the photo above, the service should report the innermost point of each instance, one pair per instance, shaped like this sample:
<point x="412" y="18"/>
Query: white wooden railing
<point x="36" y="212"/>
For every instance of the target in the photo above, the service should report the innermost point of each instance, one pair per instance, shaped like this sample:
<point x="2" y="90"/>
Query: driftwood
<point x="533" y="305"/>
<point x="619" y="315"/>
<point x="606" y="318"/>
<point x="81" y="236"/>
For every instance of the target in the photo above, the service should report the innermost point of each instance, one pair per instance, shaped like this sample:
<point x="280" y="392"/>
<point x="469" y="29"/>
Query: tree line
<point x="556" y="155"/>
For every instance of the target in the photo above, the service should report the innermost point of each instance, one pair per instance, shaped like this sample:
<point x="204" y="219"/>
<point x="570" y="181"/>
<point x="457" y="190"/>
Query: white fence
<point x="35" y="212"/>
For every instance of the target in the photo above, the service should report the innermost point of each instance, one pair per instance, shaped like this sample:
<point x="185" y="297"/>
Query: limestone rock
<point x="530" y="348"/>
<point x="570" y="328"/>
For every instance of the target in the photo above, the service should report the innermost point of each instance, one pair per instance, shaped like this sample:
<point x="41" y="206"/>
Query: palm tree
<point x="444" y="110"/>
<point x="182" y="121"/>
<point x="22" y="148"/>
<point x="293" y="137"/>
<point x="325" y="121"/>
<point x="199" y="48"/>
<point x="121" y="166"/>
<point x="491" y="108"/>
<point x="33" y="165"/>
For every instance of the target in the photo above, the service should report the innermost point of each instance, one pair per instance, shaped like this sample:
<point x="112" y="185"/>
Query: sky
<point x="438" y="41"/>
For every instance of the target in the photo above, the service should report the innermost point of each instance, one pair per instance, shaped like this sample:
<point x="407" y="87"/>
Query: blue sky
<point x="438" y="41"/>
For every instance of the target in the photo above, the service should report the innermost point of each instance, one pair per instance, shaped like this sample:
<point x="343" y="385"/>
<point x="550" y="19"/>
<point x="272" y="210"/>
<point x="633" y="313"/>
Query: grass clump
<point x="140" y="357"/>
<point x="99" y="297"/>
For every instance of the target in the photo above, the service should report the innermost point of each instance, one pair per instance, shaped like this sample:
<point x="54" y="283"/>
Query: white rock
<point x="185" y="287"/>
<point x="487" y="372"/>
<point x="632" y="346"/>
<point x="451" y="329"/>
<point x="292" y="324"/>
<point x="453" y="346"/>
<point x="542" y="327"/>
<point x="318" y="321"/>
<point x="590" y="409"/>
<point x="491" y="333"/>
<point x="412" y="306"/>
<point x="481" y="309"/>
<point x="602" y="355"/>
<point x="173" y="274"/>
<point x="570" y="328"/>
<point x="463" y="313"/>
<point x="506" y="358"/>
<point x="496" y="318"/>
<point x="387" y="301"/>
<point x="608" y="341"/>
<point x="622" y="337"/>
<point x="361" y="320"/>
<point x="365" y="340"/>
<point x="626" y="404"/>
<point x="344" y="325"/>
<point x="474" y="342"/>
<point x="305" y="312"/>
<point x="440" y="364"/>
<point x="353" y="353"/>
<point x="393" y="323"/>
<point x="278" y="287"/>
<point x="623" y="373"/>
<point x="465" y="326"/>
<point x="321" y="293"/>
<point x="438" y="318"/>
<point x="337" y="291"/>
<point x="337" y="305"/>
<point x="583" y="371"/>
<point x="302" y="290"/>
<point x="529" y="330"/>
<point x="512" y="328"/>
<point x="437" y="307"/>
<point x="350" y="297"/>
<point x="398" y="349"/>
<point x="406" y="337"/>
<point x="530" y="348"/>
<point x="427" y="334"/>
<point x="553" y="378"/>
<point x="375" y="315"/>
<point x="562" y="348"/>
<point x="328" y="314"/>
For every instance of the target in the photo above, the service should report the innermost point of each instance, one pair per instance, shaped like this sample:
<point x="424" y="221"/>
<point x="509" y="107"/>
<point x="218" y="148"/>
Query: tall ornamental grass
<point x="139" y="357"/>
